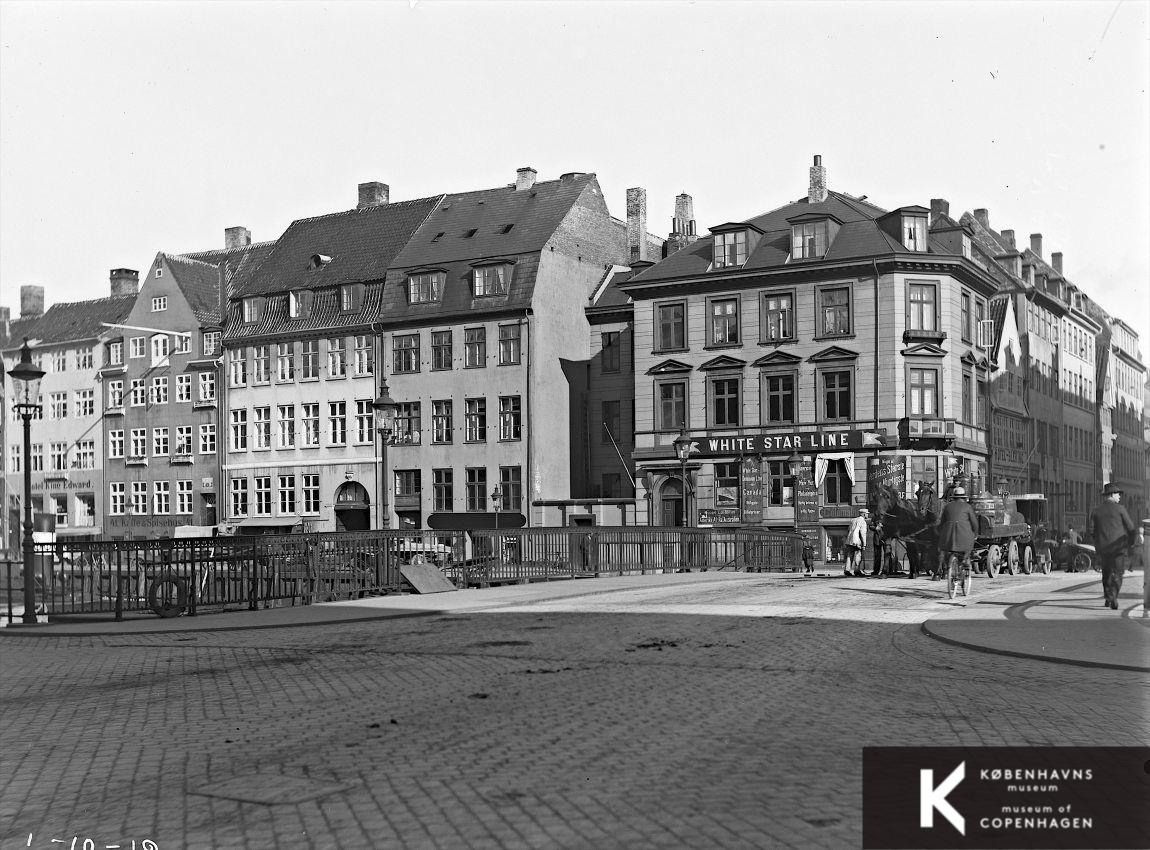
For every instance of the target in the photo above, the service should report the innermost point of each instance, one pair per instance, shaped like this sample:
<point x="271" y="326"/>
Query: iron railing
<point x="173" y="576"/>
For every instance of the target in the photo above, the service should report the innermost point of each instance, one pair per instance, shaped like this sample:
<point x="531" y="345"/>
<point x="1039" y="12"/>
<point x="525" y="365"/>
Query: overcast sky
<point x="132" y="128"/>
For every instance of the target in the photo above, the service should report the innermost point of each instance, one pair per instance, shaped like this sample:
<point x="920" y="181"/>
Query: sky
<point x="131" y="128"/>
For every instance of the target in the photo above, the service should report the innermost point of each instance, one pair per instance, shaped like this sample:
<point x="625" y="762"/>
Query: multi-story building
<point x="1128" y="378"/>
<point x="298" y="432"/>
<point x="777" y="340"/>
<point x="485" y="345"/>
<point x="1010" y="420"/>
<point x="67" y="450"/>
<point x="161" y="393"/>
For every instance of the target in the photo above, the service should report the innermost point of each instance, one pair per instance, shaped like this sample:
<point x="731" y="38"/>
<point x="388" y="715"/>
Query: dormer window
<point x="350" y="297"/>
<point x="491" y="280"/>
<point x="253" y="309"/>
<point x="425" y="288"/>
<point x="967" y="248"/>
<point x="914" y="233"/>
<point x="808" y="240"/>
<point x="299" y="303"/>
<point x="730" y="249"/>
<point x="318" y="261"/>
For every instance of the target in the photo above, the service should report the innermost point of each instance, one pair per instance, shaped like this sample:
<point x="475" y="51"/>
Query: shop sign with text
<point x="804" y="442"/>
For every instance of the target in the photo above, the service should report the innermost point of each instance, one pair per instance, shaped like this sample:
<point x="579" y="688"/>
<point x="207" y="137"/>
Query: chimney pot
<point x="373" y="194"/>
<point x="1036" y="244"/>
<point x="237" y="237"/>
<point x="124" y="282"/>
<point x="982" y="217"/>
<point x="1056" y="261"/>
<point x="31" y="301"/>
<point x="525" y="178"/>
<point x="817" y="193"/>
<point x="1008" y="237"/>
<point x="637" y="224"/>
<point x="938" y="208"/>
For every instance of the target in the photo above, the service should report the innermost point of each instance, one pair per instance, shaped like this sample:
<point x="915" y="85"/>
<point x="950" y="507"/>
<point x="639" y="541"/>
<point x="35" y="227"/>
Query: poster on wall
<point x="885" y="472"/>
<point x="806" y="495"/>
<point x="751" y="482"/>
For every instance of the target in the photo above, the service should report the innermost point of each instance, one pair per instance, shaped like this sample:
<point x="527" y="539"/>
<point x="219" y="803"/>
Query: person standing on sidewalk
<point x="1113" y="532"/>
<point x="855" y="543"/>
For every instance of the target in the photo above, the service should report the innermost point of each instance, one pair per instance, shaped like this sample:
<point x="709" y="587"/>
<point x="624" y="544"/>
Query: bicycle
<point x="958" y="574"/>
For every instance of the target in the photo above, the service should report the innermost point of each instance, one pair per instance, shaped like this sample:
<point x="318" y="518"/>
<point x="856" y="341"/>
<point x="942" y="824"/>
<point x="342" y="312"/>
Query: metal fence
<point x="173" y="576"/>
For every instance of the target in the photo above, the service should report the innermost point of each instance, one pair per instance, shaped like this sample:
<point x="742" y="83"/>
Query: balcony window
<point x="922" y="307"/>
<point x="922" y="392"/>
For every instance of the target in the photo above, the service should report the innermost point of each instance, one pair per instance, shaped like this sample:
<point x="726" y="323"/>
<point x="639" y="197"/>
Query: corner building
<point x="827" y="328"/>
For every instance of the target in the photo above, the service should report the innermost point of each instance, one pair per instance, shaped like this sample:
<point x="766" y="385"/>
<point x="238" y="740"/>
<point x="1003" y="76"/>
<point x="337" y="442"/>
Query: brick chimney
<point x="237" y="237"/>
<point x="124" y="282"/>
<point x="637" y="224"/>
<point x="682" y="225"/>
<point x="31" y="301"/>
<point x="1008" y="238"/>
<point x="525" y="178"/>
<point x="373" y="194"/>
<point x="818" y="189"/>
<point x="938" y="208"/>
<point x="982" y="217"/>
<point x="1056" y="261"/>
<point x="1036" y="244"/>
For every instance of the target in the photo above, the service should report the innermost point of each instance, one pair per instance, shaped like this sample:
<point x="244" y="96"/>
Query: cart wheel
<point x="993" y="559"/>
<point x="168" y="595"/>
<point x="1026" y="564"/>
<point x="1012" y="557"/>
<point x="1081" y="562"/>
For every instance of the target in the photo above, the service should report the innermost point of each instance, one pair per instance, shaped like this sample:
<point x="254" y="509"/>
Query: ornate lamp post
<point x="497" y="502"/>
<point x="26" y="375"/>
<point x="384" y="407"/>
<point x="683" y="451"/>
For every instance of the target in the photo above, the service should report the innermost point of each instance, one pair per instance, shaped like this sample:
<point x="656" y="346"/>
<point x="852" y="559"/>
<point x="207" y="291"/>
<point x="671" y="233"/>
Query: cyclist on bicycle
<point x="957" y="527"/>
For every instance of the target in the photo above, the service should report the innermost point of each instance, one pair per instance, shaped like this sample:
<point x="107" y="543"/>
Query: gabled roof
<point x="200" y="284"/>
<point x="362" y="243"/>
<point x="67" y="321"/>
<point x="239" y="263"/>
<point x="859" y="237"/>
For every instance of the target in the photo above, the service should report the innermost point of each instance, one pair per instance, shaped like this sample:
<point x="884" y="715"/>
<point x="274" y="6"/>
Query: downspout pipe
<point x="874" y="266"/>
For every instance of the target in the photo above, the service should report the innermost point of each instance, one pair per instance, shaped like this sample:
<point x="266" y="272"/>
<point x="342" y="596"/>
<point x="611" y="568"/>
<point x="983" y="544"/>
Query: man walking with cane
<point x="1113" y="531"/>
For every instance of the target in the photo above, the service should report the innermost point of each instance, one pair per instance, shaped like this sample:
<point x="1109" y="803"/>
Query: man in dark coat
<point x="1113" y="531"/>
<point x="957" y="526"/>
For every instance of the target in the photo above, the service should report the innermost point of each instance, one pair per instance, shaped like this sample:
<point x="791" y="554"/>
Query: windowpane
<point x="725" y="321"/>
<point x="672" y="410"/>
<point x="834" y="305"/>
<point x="672" y="333"/>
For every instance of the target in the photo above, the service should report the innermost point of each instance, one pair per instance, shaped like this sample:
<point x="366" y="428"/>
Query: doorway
<point x="671" y="503"/>
<point x="352" y="508"/>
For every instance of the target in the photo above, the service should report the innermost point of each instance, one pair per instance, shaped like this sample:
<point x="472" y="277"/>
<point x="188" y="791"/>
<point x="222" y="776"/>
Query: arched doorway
<point x="352" y="508"/>
<point x="671" y="502"/>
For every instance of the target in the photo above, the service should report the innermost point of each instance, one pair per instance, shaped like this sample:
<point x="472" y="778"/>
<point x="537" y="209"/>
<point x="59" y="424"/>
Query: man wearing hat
<point x="1113" y="532"/>
<point x="957" y="526"/>
<point x="855" y="543"/>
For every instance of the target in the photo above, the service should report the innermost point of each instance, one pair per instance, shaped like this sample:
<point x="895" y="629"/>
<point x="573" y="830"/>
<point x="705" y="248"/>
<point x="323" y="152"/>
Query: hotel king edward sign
<point x="803" y="442"/>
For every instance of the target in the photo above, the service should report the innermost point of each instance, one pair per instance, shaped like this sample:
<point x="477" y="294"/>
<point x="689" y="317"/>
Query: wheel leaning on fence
<point x="168" y="595"/>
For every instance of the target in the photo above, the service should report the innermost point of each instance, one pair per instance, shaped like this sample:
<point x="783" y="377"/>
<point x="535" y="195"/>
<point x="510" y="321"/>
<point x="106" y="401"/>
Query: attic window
<point x="730" y="249"/>
<point x="506" y="228"/>
<point x="467" y="234"/>
<point x="350" y="297"/>
<point x="299" y="303"/>
<point x="425" y="288"/>
<point x="491" y="280"/>
<point x="438" y="236"/>
<point x="253" y="309"/>
<point x="159" y="272"/>
<point x="808" y="240"/>
<point x="914" y="232"/>
<point x="319" y="260"/>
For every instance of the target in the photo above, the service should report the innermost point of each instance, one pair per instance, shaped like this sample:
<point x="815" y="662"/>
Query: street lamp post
<point x="497" y="503"/>
<point x="384" y="407"/>
<point x="26" y="376"/>
<point x="683" y="451"/>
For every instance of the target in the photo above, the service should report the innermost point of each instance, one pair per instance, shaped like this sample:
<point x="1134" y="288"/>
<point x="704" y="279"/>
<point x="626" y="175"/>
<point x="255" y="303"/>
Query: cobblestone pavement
<point x="724" y="713"/>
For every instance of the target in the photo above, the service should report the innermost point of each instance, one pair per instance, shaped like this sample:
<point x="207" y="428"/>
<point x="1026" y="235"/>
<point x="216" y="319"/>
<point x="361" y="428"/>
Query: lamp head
<point x="26" y="375"/>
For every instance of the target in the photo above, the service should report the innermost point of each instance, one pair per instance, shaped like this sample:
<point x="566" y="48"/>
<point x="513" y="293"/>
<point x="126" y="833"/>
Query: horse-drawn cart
<point x="1006" y="539"/>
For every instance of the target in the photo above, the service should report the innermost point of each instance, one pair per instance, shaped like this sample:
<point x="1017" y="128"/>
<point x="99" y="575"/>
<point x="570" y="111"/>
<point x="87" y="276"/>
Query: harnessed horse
<point x="911" y="522"/>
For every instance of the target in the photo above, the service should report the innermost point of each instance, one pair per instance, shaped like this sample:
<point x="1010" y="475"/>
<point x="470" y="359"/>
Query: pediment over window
<point x="777" y="358"/>
<point x="723" y="362"/>
<point x="669" y="367"/>
<point x="834" y="352"/>
<point x="969" y="359"/>
<point x="925" y="349"/>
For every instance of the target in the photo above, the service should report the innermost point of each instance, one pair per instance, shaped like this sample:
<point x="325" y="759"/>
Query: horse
<point x="911" y="522"/>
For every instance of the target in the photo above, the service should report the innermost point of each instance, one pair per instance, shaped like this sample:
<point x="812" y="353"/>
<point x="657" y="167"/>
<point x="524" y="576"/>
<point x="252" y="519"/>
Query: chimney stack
<point x="1008" y="238"/>
<point x="524" y="178"/>
<point x="1036" y="244"/>
<point x="982" y="217"/>
<point x="818" y="189"/>
<point x="938" y="208"/>
<point x="237" y="237"/>
<point x="373" y="194"/>
<point x="31" y="301"/>
<point x="5" y="324"/>
<point x="637" y="224"/>
<point x="1056" y="261"/>
<point x="682" y="225"/>
<point x="124" y="282"/>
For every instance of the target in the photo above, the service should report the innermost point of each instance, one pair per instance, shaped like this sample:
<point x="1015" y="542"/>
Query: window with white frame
<point x="183" y="388"/>
<point x="253" y="309"/>
<point x="208" y="438"/>
<point x="84" y="358"/>
<point x="287" y="494"/>
<point x="405" y="353"/>
<point x="58" y="456"/>
<point x="475" y="420"/>
<point x="263" y="489"/>
<point x="350" y="297"/>
<point x="726" y="403"/>
<point x="85" y="402"/>
<point x="159" y="390"/>
<point x="159" y="442"/>
<point x="442" y="489"/>
<point x="476" y="488"/>
<point x="86" y="454"/>
<point x="309" y="359"/>
<point x="491" y="280"/>
<point x="140" y="498"/>
<point x="808" y="240"/>
<point x="286" y="426"/>
<point x="159" y="303"/>
<point x="262" y="425"/>
<point x="58" y="405"/>
<point x="364" y="418"/>
<point x="835" y="311"/>
<point x="724" y="321"/>
<point x="16" y="456"/>
<point x="60" y="361"/>
<point x="425" y="288"/>
<point x="207" y="384"/>
<point x="336" y="357"/>
<point x="261" y="369"/>
<point x="441" y="421"/>
<point x="239" y="430"/>
<point x="406" y="422"/>
<point x="37" y="464"/>
<point x="139" y="392"/>
<point x="181" y="343"/>
<point x="310" y="420"/>
<point x="730" y="249"/>
<point x="211" y="343"/>
<point x="161" y="497"/>
<point x="159" y="349"/>
<point x="474" y="347"/>
<point x="922" y="391"/>
<point x="510" y="418"/>
<point x="914" y="232"/>
<point x="922" y="307"/>
<point x="309" y="490"/>
<point x="295" y="304"/>
<point x="239" y="494"/>
<point x="440" y="350"/>
<point x="115" y="353"/>
<point x="778" y="316"/>
<point x="117" y="498"/>
<point x="238" y="367"/>
<point x="337" y="422"/>
<point x="508" y="345"/>
<point x="183" y="497"/>
<point x="115" y="444"/>
<point x="364" y="356"/>
<point x="285" y="361"/>
<point x="183" y="439"/>
<point x="115" y="394"/>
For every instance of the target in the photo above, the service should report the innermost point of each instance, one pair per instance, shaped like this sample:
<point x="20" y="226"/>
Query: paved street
<point x="700" y="710"/>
